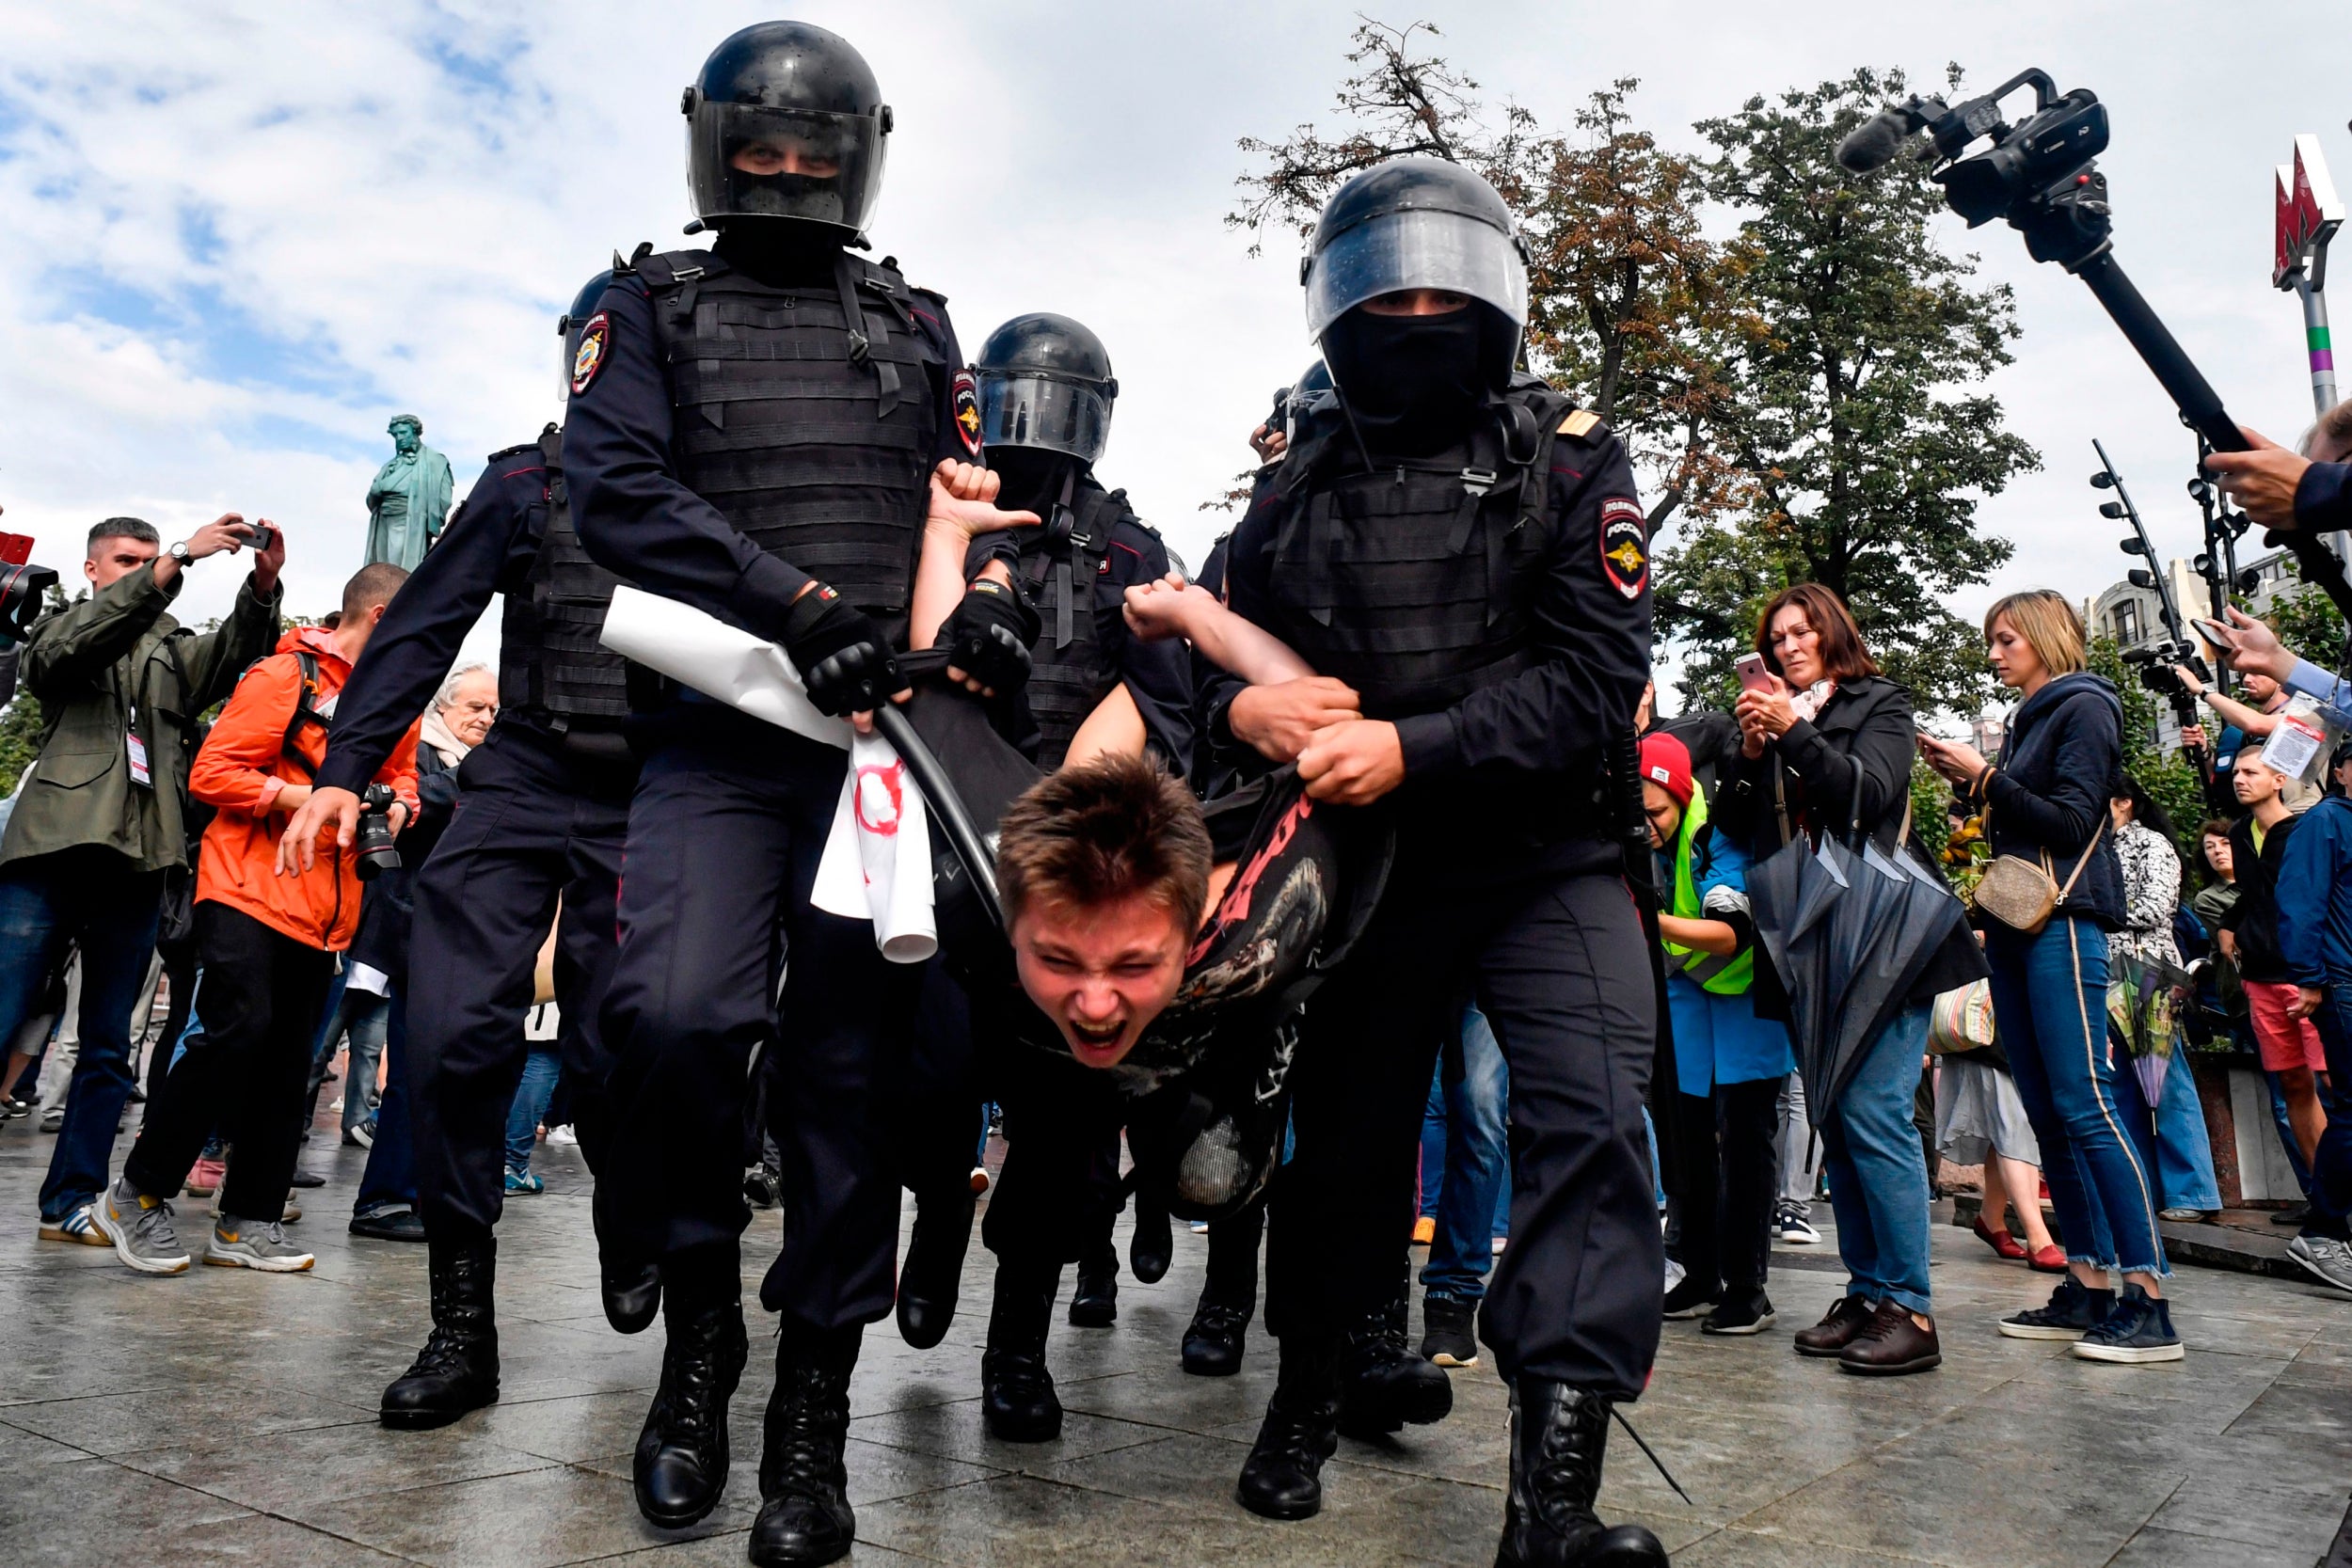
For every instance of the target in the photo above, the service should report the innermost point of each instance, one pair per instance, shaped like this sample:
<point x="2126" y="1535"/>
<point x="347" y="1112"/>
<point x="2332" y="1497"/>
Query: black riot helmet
<point x="1313" y="383"/>
<point x="785" y="121"/>
<point x="568" y="324"/>
<point x="1414" y="223"/>
<point x="1047" y="385"/>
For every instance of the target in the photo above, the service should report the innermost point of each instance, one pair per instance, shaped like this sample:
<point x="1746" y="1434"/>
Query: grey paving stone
<point x="532" y="1520"/>
<point x="333" y="1462"/>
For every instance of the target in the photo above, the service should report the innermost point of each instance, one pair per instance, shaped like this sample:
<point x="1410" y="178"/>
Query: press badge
<point x="139" y="771"/>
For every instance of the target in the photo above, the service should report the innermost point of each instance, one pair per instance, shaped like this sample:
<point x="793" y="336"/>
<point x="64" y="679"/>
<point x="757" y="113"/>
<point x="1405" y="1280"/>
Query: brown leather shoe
<point x="1891" y="1344"/>
<point x="1836" y="1329"/>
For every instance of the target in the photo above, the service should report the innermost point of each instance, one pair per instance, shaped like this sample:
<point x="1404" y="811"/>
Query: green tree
<point x="1632" y="305"/>
<point x="1856" y="413"/>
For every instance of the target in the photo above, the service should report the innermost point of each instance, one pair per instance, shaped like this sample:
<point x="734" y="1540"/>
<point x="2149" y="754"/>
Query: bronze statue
<point x="408" y="502"/>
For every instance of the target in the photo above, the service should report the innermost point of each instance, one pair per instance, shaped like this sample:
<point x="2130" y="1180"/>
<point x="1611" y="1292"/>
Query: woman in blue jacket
<point x="2046" y="803"/>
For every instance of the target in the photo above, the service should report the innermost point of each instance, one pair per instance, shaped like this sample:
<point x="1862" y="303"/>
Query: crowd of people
<point x="1301" y="869"/>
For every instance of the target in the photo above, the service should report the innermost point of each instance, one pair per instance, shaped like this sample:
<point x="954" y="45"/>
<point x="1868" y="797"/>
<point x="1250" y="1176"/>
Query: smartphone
<point x="16" y="548"/>
<point x="2212" y="631"/>
<point x="260" y="537"/>
<point x="1752" y="674"/>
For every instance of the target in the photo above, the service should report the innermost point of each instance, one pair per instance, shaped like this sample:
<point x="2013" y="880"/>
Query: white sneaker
<point x="562" y="1137"/>
<point x="241" y="1244"/>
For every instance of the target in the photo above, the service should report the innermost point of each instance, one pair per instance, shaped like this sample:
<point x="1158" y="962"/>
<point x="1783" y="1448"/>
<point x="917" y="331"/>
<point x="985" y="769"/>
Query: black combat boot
<point x="1383" y="1384"/>
<point x="1558" y="1437"/>
<point x="1094" y="1304"/>
<point x="632" y="1293"/>
<point x="804" y="1513"/>
<point x="1214" y="1342"/>
<point x="1282" y="1477"/>
<point x="458" y="1369"/>
<point x="1152" y="1246"/>
<point x="631" y="1289"/>
<point x="1017" y="1398"/>
<point x="933" y="1270"/>
<point x="681" y="1465"/>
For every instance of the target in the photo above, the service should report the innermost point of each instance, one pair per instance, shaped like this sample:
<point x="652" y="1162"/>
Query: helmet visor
<point x="1023" y="410"/>
<point x="743" y="160"/>
<point x="1416" y="248"/>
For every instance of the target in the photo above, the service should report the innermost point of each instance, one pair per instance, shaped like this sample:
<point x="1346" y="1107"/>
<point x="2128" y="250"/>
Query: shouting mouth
<point x="1099" y="1044"/>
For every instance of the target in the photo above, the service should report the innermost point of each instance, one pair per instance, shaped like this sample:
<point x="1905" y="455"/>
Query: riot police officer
<point x="1046" y="393"/>
<point x="1463" y="548"/>
<point x="541" y="821"/>
<point x="754" y="430"/>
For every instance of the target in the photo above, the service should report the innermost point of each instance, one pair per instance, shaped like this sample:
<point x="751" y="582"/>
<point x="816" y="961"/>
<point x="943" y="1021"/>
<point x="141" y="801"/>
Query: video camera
<point x="2040" y="176"/>
<point x="374" y="844"/>
<point x="24" y="587"/>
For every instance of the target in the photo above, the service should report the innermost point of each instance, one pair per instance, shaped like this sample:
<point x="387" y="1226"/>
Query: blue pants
<point x="2331" y="1172"/>
<point x="390" y="1179"/>
<point x="1475" y="1158"/>
<point x="1878" y="1175"/>
<point x="2172" y="1140"/>
<point x="2050" y="993"/>
<point x="92" y="896"/>
<point x="540" y="1070"/>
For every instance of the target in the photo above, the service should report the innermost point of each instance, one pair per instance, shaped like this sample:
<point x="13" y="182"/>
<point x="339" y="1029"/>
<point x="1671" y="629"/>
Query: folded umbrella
<point x="2141" y="1016"/>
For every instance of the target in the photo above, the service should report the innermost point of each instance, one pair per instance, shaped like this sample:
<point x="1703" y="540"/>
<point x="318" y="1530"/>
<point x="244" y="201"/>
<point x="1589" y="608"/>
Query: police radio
<point x="24" y="587"/>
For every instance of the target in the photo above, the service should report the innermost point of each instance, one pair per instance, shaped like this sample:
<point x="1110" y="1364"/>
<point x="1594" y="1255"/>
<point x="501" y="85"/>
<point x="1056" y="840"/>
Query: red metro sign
<point x="2307" y="214"/>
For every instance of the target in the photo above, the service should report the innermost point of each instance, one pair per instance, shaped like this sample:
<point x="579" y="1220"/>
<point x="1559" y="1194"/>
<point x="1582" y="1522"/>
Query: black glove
<point x="989" y="633"/>
<point x="843" y="657"/>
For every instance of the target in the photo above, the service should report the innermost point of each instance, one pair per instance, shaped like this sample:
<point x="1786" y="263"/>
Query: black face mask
<point x="780" y="252"/>
<point x="1032" y="476"/>
<point x="1414" y="384"/>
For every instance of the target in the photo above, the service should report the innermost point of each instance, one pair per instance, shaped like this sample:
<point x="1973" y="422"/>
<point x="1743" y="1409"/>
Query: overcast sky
<point x="239" y="238"/>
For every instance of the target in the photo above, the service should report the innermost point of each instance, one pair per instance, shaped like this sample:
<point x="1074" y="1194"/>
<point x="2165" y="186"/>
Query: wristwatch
<point x="178" y="552"/>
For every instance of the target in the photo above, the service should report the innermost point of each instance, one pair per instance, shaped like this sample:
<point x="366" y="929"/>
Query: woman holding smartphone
<point x="1815" y="714"/>
<point x="2046" y="803"/>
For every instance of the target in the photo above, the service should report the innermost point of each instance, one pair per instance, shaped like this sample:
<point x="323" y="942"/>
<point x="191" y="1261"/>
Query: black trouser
<point x="724" y="835"/>
<point x="1725" y="1226"/>
<point x="935" y="1126"/>
<point x="530" y="828"/>
<point x="1232" y="1272"/>
<point x="262" y="993"/>
<point x="1562" y="972"/>
<point x="1058" y="1194"/>
<point x="179" y="965"/>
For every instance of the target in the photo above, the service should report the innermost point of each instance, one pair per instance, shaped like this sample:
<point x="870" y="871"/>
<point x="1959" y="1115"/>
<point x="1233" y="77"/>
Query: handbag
<point x="2021" y="894"/>
<point x="1961" y="1019"/>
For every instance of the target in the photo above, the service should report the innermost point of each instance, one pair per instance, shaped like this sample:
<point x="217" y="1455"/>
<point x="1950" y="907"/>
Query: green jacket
<point x="93" y="666"/>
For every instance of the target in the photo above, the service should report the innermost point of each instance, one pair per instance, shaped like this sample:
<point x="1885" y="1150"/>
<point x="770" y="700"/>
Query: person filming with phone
<point x="1822" y="731"/>
<point x="99" y="824"/>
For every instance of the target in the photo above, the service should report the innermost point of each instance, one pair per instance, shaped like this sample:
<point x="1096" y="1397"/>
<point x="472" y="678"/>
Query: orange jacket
<point x="243" y="770"/>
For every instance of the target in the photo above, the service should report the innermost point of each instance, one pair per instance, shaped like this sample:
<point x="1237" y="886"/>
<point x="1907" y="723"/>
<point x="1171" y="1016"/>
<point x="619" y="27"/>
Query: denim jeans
<point x="1476" y="1161"/>
<point x="1800" y="1152"/>
<point x="1877" y="1182"/>
<point x="93" y="897"/>
<point x="363" y="1018"/>
<point x="390" y="1179"/>
<point x="532" y="1093"/>
<point x="2331" y="1172"/>
<point x="2172" y="1140"/>
<point x="2050" y="995"/>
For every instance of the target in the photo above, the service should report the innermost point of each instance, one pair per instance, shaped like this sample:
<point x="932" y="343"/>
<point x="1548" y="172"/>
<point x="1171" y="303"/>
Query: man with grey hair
<point x="408" y="500"/>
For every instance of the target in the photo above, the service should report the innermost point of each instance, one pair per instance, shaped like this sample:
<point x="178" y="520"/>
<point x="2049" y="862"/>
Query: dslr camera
<point x="24" y="587"/>
<point x="374" y="844"/>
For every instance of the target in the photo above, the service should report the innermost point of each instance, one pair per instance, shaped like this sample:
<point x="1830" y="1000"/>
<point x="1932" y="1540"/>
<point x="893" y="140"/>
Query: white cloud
<point x="243" y="235"/>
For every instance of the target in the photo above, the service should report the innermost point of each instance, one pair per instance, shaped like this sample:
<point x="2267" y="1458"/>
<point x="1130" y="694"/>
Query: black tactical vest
<point x="549" y="655"/>
<point x="1411" y="582"/>
<point x="1069" y="672"/>
<point x="805" y="414"/>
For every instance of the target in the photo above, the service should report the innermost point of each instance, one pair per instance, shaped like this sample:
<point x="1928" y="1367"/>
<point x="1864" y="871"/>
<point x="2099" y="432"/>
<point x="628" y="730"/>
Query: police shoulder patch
<point x="967" y="407"/>
<point x="1625" y="546"/>
<point x="1580" y="423"/>
<point x="596" y="340"/>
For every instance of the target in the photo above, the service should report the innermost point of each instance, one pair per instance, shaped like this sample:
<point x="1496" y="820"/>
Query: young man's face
<point x="1665" y="812"/>
<point x="113" y="559"/>
<point x="2253" y="783"/>
<point x="1101" y="974"/>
